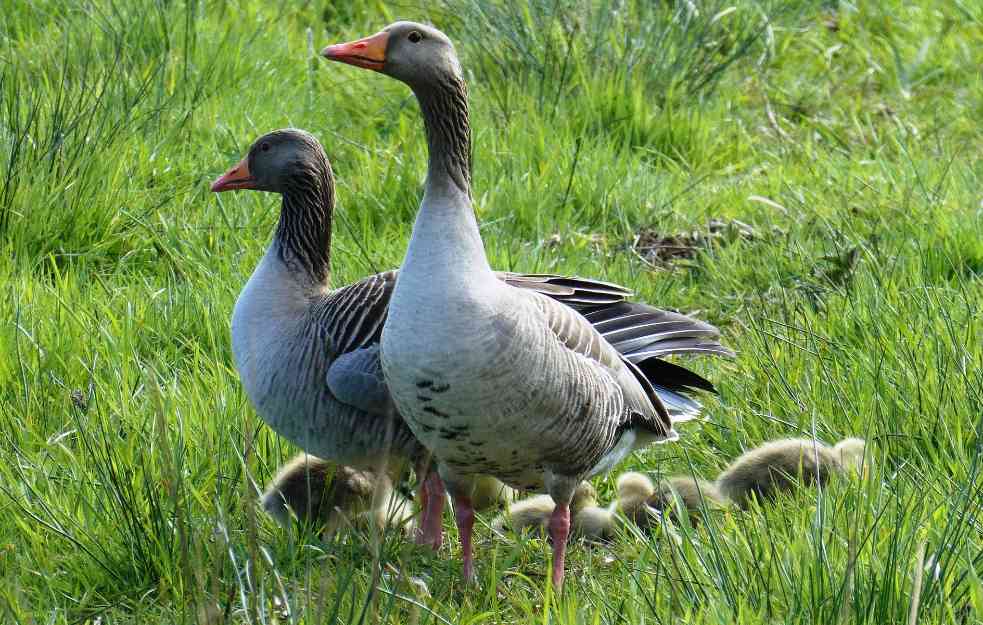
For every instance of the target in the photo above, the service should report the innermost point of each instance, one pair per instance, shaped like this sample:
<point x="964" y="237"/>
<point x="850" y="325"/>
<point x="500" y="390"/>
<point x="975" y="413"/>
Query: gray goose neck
<point x="444" y="105"/>
<point x="303" y="234"/>
<point x="446" y="241"/>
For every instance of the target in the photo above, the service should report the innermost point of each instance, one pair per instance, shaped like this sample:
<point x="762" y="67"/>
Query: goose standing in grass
<point x="779" y="466"/>
<point x="307" y="354"/>
<point x="497" y="380"/>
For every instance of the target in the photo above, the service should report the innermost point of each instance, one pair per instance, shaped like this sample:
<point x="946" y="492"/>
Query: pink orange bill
<point x="236" y="178"/>
<point x="369" y="52"/>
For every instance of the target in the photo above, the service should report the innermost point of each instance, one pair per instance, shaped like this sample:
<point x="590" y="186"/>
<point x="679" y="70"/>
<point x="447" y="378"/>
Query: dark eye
<point x="265" y="147"/>
<point x="414" y="36"/>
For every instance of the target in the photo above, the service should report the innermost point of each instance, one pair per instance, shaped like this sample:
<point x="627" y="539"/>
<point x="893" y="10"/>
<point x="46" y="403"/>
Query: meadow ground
<point x="846" y="135"/>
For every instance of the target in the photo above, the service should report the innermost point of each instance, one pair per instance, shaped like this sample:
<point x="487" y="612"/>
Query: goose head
<point x="423" y="58"/>
<point x="279" y="161"/>
<point x="292" y="163"/>
<point x="416" y="54"/>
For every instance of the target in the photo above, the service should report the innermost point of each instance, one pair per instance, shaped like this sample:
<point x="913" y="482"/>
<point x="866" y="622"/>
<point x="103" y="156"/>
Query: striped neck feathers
<point x="304" y="230"/>
<point x="444" y="105"/>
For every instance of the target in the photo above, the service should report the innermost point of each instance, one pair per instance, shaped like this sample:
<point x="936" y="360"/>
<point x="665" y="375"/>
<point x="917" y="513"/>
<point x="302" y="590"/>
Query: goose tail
<point x="645" y="336"/>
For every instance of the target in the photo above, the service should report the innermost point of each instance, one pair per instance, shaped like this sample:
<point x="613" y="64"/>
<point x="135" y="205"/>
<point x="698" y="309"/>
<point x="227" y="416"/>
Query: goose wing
<point x="351" y="320"/>
<point x="644" y="335"/>
<point x="355" y="378"/>
<point x="574" y="332"/>
<point x="577" y="293"/>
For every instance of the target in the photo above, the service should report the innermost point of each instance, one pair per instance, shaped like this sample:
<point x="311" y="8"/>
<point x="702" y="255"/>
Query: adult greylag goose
<point x="307" y="354"/>
<point x="498" y="380"/>
<point x="780" y="466"/>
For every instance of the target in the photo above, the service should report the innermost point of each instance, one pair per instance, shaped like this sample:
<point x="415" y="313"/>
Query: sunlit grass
<point x="846" y="134"/>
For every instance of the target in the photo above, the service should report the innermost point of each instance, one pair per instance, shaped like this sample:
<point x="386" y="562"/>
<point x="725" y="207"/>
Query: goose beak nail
<point x="236" y="178"/>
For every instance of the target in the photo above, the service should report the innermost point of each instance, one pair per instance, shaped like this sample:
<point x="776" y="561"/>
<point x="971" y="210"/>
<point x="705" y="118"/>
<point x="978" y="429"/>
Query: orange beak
<point x="369" y="52"/>
<point x="236" y="178"/>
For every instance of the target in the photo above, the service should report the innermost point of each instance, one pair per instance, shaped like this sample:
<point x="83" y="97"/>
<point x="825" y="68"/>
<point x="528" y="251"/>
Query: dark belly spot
<point x="424" y="383"/>
<point x="449" y="434"/>
<point x="436" y="412"/>
<point x="439" y="388"/>
<point x="424" y="398"/>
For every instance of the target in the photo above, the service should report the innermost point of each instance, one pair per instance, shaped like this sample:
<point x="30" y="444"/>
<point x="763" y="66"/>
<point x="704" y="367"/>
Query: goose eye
<point x="265" y="147"/>
<point x="414" y="36"/>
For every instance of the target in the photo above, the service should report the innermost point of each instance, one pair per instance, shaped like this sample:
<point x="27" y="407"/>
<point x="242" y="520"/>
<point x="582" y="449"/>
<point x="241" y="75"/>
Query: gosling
<point x="642" y="502"/>
<point x="780" y="466"/>
<point x="327" y="496"/>
<point x="533" y="514"/>
<point x="693" y="494"/>
<point x="853" y="456"/>
<point x="490" y="494"/>
<point x="594" y="523"/>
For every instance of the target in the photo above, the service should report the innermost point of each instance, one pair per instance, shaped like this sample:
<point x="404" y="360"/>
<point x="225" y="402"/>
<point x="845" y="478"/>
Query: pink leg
<point x="464" y="515"/>
<point x="422" y="495"/>
<point x="435" y="511"/>
<point x="559" y="531"/>
<point x="430" y="532"/>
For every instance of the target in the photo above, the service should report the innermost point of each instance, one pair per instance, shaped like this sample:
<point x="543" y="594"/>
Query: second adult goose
<point x="308" y="355"/>
<point x="491" y="378"/>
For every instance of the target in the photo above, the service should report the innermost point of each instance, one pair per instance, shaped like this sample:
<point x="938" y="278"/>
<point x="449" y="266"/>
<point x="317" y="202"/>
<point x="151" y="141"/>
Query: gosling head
<point x="634" y="487"/>
<point x="853" y="456"/>
<point x="585" y="496"/>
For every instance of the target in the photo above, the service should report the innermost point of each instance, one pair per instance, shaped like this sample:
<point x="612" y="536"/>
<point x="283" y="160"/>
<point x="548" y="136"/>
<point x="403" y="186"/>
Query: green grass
<point x="838" y="130"/>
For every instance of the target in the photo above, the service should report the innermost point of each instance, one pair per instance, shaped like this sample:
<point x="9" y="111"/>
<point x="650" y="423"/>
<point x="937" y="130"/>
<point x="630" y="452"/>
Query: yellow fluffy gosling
<point x="779" y="466"/>
<point x="489" y="493"/>
<point x="534" y="512"/>
<point x="595" y="523"/>
<point x="321" y="493"/>
<point x="639" y="499"/>
<point x="853" y="456"/>
<point x="693" y="494"/>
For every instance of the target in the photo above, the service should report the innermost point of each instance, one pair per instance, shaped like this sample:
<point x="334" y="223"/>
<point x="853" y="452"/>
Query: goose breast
<point x="505" y="396"/>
